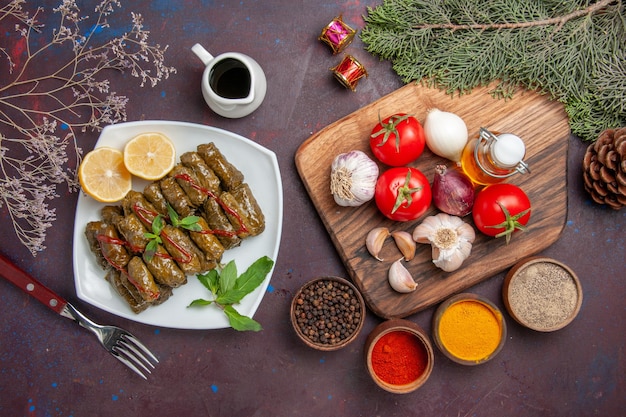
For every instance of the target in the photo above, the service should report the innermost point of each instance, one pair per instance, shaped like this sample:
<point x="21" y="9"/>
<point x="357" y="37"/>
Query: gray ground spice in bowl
<point x="544" y="296"/>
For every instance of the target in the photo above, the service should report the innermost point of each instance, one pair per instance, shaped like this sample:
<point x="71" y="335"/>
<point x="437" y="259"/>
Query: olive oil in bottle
<point x="490" y="159"/>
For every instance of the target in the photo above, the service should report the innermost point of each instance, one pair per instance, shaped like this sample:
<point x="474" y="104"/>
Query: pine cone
<point x="604" y="168"/>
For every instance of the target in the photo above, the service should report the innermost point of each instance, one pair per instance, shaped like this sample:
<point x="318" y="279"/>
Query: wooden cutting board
<point x="542" y="124"/>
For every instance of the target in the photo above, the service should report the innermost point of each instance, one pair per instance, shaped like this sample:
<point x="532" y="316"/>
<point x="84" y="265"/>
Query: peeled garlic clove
<point x="400" y="278"/>
<point x="406" y="244"/>
<point x="375" y="239"/>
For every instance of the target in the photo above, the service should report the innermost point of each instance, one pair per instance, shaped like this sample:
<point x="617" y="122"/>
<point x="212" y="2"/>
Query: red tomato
<point x="397" y="140"/>
<point x="403" y="193"/>
<point x="501" y="209"/>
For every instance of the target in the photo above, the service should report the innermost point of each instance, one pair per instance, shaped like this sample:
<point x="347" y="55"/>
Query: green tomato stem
<point x="405" y="193"/>
<point x="390" y="128"/>
<point x="510" y="223"/>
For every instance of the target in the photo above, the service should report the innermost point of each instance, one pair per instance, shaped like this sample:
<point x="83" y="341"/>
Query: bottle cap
<point x="508" y="150"/>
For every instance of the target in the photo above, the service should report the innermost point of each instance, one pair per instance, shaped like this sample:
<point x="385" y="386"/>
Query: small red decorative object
<point x="349" y="71"/>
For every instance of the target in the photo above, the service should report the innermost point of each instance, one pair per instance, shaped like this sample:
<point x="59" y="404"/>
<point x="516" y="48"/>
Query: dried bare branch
<point x="54" y="91"/>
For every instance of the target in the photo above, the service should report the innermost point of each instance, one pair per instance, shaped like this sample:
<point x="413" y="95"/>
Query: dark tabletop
<point x="51" y="367"/>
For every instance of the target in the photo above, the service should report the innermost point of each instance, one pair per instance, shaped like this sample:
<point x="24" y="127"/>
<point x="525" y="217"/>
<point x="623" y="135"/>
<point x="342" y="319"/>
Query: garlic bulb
<point x="450" y="237"/>
<point x="446" y="134"/>
<point x="353" y="178"/>
<point x="400" y="278"/>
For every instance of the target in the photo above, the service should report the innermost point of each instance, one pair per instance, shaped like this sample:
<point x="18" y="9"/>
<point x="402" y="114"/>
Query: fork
<point x="118" y="342"/>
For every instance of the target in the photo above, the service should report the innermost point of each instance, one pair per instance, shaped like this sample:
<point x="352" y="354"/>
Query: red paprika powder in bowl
<point x="399" y="356"/>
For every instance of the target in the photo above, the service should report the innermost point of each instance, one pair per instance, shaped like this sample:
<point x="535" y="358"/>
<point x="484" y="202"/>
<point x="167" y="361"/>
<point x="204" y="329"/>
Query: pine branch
<point x="558" y="21"/>
<point x="572" y="51"/>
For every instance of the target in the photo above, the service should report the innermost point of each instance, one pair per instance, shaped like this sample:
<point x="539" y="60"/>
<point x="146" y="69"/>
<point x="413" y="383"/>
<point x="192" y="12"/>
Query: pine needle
<point x="573" y="51"/>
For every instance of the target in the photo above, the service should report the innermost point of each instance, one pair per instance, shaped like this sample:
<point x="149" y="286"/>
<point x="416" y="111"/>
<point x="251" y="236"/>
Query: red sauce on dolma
<point x="145" y="215"/>
<point x="224" y="206"/>
<point x="114" y="241"/>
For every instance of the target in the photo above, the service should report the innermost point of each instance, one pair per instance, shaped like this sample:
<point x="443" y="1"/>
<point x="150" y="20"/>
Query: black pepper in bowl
<point x="327" y="313"/>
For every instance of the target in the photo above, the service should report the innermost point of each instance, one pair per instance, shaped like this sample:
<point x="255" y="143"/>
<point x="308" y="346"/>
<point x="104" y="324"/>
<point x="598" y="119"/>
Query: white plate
<point x="260" y="168"/>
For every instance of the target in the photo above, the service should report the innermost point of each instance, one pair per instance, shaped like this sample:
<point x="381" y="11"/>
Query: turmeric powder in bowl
<point x="469" y="329"/>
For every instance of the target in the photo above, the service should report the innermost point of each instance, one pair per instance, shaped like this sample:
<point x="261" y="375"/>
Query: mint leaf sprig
<point x="228" y="289"/>
<point x="189" y="222"/>
<point x="154" y="235"/>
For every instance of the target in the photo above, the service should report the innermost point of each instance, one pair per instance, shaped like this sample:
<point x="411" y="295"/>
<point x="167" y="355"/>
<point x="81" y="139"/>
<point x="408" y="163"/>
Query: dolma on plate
<point x="220" y="225"/>
<point x="133" y="231"/>
<point x="181" y="248"/>
<point x="153" y="194"/>
<point x="111" y="214"/>
<point x="166" y="292"/>
<point x="229" y="176"/>
<point x="208" y="180"/>
<point x="207" y="242"/>
<point x="91" y="234"/>
<point x="235" y="214"/>
<point x="136" y="203"/>
<point x="190" y="183"/>
<point x="140" y="276"/>
<point x="177" y="197"/>
<point x="130" y="293"/>
<point x="164" y="269"/>
<point x="249" y="208"/>
<point x="127" y="291"/>
<point x="112" y="246"/>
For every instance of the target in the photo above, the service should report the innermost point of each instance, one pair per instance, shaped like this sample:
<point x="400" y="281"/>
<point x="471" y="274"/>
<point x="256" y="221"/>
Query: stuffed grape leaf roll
<point x="176" y="197"/>
<point x="91" y="233"/>
<point x="206" y="177"/>
<point x="140" y="276"/>
<point x="229" y="176"/>
<point x="130" y="293"/>
<point x="111" y="214"/>
<point x="220" y="225"/>
<point x="111" y="245"/>
<point x="250" y="209"/>
<point x="235" y="214"/>
<point x="153" y="194"/>
<point x="164" y="268"/>
<point x="181" y="248"/>
<point x="133" y="231"/>
<point x="136" y="203"/>
<point x="126" y="290"/>
<point x="190" y="183"/>
<point x="208" y="243"/>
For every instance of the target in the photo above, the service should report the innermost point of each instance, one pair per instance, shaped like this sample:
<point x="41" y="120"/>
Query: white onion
<point x="446" y="134"/>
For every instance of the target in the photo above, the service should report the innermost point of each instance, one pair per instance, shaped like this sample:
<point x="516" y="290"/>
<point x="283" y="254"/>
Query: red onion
<point x="453" y="191"/>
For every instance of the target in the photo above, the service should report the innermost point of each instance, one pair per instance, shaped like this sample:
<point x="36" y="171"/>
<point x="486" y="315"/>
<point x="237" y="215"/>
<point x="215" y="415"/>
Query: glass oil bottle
<point x="490" y="159"/>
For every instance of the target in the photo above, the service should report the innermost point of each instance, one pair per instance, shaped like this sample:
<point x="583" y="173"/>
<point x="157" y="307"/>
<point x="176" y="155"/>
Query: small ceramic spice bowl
<point x="542" y="294"/>
<point x="469" y="329"/>
<point x="399" y="356"/>
<point x="328" y="313"/>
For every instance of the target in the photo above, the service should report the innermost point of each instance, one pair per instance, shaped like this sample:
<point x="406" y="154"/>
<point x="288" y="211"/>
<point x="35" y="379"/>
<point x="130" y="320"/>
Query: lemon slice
<point x="149" y="156"/>
<point x="103" y="176"/>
